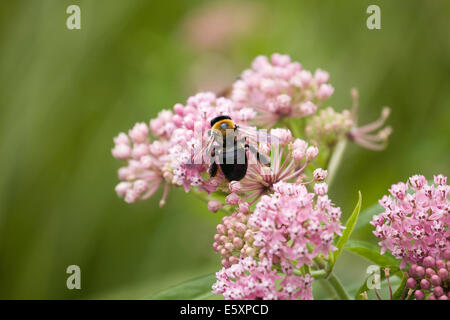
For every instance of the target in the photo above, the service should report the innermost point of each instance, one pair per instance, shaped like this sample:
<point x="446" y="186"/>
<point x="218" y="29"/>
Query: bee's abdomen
<point x="234" y="172"/>
<point x="232" y="169"/>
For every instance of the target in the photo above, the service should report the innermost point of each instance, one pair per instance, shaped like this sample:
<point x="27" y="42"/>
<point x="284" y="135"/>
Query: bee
<point x="228" y="147"/>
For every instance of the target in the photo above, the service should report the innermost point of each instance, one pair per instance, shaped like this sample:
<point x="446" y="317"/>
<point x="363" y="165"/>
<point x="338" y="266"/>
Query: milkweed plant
<point x="281" y="231"/>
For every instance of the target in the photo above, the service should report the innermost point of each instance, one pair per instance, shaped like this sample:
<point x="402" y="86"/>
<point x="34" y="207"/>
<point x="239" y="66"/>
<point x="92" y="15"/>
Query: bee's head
<point x="222" y="124"/>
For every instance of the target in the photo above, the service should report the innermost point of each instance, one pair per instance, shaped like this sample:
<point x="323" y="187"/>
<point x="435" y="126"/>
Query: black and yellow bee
<point x="231" y="146"/>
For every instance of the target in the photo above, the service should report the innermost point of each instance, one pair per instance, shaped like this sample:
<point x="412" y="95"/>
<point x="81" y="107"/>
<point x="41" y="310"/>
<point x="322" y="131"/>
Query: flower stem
<point x="335" y="160"/>
<point x="319" y="274"/>
<point x="337" y="285"/>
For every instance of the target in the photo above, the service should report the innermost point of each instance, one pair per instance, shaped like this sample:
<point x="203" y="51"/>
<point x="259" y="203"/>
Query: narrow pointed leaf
<point x="349" y="226"/>
<point x="372" y="252"/>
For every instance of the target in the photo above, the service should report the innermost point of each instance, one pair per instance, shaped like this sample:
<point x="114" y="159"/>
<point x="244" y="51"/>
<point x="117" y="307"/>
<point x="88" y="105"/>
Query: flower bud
<point x="325" y="91"/>
<point x="443" y="273"/>
<point x="420" y="271"/>
<point x="440" y="264"/>
<point x="419" y="295"/>
<point x="229" y="246"/>
<point x="446" y="254"/>
<point x="435" y="280"/>
<point x="214" y="205"/>
<point x="220" y="228"/>
<point x="429" y="272"/>
<point x="308" y="108"/>
<point x="424" y="284"/>
<point x="237" y="242"/>
<point x="299" y="149"/>
<point x="311" y="153"/>
<point x="234" y="186"/>
<point x="321" y="76"/>
<point x="121" y="151"/>
<point x="139" y="133"/>
<point x="438" y="291"/>
<point x="411" y="283"/>
<point x="320" y="174"/>
<point x="225" y="263"/>
<point x="428" y="262"/>
<point x="412" y="270"/>
<point x="232" y="198"/>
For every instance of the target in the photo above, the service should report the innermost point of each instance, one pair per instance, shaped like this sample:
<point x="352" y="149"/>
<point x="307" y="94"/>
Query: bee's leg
<point x="213" y="169"/>
<point x="260" y="157"/>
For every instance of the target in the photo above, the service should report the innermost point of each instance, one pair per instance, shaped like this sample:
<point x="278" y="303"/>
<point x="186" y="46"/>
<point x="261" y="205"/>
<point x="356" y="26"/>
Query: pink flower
<point x="415" y="222"/>
<point x="320" y="174"/>
<point x="366" y="135"/>
<point x="280" y="88"/>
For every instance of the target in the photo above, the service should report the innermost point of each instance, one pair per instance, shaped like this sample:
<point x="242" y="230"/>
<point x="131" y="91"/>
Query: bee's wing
<point x="202" y="154"/>
<point x="256" y="136"/>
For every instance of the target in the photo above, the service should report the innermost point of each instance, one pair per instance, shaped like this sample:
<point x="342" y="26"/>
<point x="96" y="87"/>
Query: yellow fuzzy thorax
<point x="217" y="126"/>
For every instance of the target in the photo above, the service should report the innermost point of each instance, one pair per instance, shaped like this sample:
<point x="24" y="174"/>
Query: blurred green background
<point x="64" y="94"/>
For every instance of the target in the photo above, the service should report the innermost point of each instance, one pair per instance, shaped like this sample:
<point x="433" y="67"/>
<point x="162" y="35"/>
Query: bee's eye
<point x="224" y="125"/>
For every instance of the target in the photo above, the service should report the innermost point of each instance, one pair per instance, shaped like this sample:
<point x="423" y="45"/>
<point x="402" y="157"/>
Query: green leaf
<point x="366" y="216"/>
<point x="399" y="291"/>
<point x="372" y="252"/>
<point x="349" y="226"/>
<point x="196" y="289"/>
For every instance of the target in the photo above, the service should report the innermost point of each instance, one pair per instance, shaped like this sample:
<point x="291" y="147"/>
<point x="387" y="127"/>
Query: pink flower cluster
<point x="252" y="280"/>
<point x="145" y="162"/>
<point x="287" y="230"/>
<point x="233" y="235"/>
<point x="167" y="158"/>
<point x="416" y="220"/>
<point x="294" y="226"/>
<point x="280" y="88"/>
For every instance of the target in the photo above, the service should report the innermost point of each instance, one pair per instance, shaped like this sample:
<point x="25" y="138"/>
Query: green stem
<point x="319" y="274"/>
<point x="337" y="285"/>
<point x="335" y="160"/>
